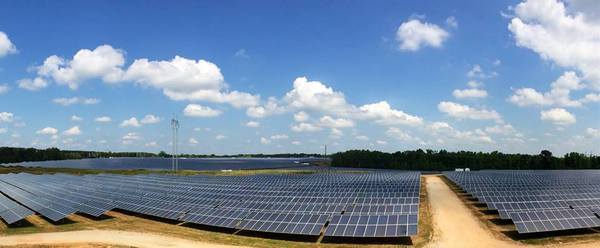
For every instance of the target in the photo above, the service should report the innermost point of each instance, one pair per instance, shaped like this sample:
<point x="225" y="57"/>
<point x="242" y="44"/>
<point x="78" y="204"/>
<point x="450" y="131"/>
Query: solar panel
<point x="402" y="225"/>
<point x="537" y="201"/>
<point x="299" y="204"/>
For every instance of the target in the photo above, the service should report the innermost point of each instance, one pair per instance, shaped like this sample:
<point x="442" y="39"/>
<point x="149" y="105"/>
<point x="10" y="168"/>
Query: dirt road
<point x="456" y="226"/>
<point x="108" y="237"/>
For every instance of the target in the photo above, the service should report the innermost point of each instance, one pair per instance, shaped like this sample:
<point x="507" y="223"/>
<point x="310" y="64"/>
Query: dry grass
<point x="505" y="230"/>
<point x="125" y="222"/>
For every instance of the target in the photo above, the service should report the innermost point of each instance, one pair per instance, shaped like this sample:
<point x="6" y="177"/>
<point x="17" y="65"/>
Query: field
<point x="448" y="217"/>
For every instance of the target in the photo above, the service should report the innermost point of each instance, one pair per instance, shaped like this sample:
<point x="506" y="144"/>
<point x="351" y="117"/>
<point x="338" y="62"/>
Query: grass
<point x="131" y="222"/>
<point x="505" y="230"/>
<point x="126" y="222"/>
<point x="74" y="171"/>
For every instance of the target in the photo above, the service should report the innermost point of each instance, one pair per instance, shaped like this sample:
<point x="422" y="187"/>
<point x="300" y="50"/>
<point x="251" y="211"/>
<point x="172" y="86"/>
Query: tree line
<point x="16" y="155"/>
<point x="444" y="160"/>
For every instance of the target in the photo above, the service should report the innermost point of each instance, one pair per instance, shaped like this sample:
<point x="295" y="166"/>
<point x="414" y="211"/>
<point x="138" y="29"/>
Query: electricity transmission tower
<point x="175" y="129"/>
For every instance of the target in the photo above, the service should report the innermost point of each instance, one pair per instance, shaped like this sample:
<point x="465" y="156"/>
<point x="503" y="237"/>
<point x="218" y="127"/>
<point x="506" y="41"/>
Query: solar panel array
<point x="537" y="201"/>
<point x="367" y="204"/>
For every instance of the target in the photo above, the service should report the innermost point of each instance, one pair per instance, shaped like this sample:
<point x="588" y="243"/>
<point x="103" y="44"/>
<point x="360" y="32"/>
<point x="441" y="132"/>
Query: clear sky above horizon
<point x="291" y="76"/>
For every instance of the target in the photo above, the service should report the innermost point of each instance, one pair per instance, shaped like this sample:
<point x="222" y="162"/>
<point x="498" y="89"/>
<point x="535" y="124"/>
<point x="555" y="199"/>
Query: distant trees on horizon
<point x="444" y="160"/>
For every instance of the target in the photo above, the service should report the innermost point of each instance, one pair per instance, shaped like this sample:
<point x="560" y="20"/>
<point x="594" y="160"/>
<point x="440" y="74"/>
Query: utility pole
<point x="175" y="129"/>
<point x="325" y="150"/>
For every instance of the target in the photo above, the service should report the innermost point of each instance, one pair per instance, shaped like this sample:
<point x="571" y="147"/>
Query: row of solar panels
<point x="359" y="214"/>
<point x="537" y="201"/>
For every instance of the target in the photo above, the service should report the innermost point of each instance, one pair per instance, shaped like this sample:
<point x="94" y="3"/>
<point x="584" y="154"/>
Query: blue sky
<point x="273" y="76"/>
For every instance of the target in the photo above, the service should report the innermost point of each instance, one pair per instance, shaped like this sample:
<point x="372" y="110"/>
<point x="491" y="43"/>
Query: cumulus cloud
<point x="305" y="127"/>
<point x="32" y="84"/>
<point x="413" y="34"/>
<point x="558" y="116"/>
<point x="4" y="88"/>
<point x="104" y="62"/>
<point x="477" y="72"/>
<point x="76" y="118"/>
<point x="131" y="137"/>
<point x="73" y="131"/>
<point x="460" y="111"/>
<point x="150" y="119"/>
<point x="314" y="95"/>
<point x="383" y="114"/>
<point x="220" y="137"/>
<point x="103" y="119"/>
<point x="301" y="116"/>
<point x="271" y="107"/>
<point x="75" y="100"/>
<point x="6" y="45"/>
<point x="253" y="124"/>
<point x="6" y="117"/>
<point x="264" y="140"/>
<point x="593" y="132"/>
<point x="469" y="93"/>
<point x="193" y="141"/>
<point x="559" y="94"/>
<point x="564" y="36"/>
<point x="279" y="137"/>
<point x="328" y="121"/>
<point x="47" y="131"/>
<point x="131" y="122"/>
<point x="188" y="79"/>
<point x="196" y="110"/>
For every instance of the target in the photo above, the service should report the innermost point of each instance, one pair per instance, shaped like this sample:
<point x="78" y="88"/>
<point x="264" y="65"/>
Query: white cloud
<point x="564" y="36"/>
<point x="414" y="34"/>
<point x="301" y="116"/>
<point x="47" y="131"/>
<point x="452" y="22"/>
<point x="188" y="79"/>
<point x="295" y="142"/>
<point x="151" y="144"/>
<point x="328" y="121"/>
<point x="150" y="119"/>
<point x="3" y="130"/>
<point x="104" y="62"/>
<point x="383" y="114"/>
<point x="559" y="94"/>
<point x="73" y="131"/>
<point x="272" y="107"/>
<point x="478" y="73"/>
<point x="460" y="111"/>
<point x="196" y="110"/>
<point x="220" y="137"/>
<point x="362" y="137"/>
<point x="193" y="141"/>
<point x="399" y="134"/>
<point x="305" y="127"/>
<point x="593" y="132"/>
<point x="253" y="124"/>
<point x="32" y="84"/>
<point x="469" y="93"/>
<point x="6" y="117"/>
<point x="6" y="45"/>
<point x="103" y="119"/>
<point x="279" y="137"/>
<point x="4" y="88"/>
<point x="131" y="122"/>
<point x="314" y="95"/>
<point x="75" y="100"/>
<point x="264" y="140"/>
<point x="558" y="116"/>
<point x="505" y="129"/>
<point x="129" y="138"/>
<point x="381" y="142"/>
<point x="76" y="118"/>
